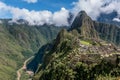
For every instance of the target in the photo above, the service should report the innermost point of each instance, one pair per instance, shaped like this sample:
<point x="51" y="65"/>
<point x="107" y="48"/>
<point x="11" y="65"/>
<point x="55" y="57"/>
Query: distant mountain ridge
<point x="109" y="18"/>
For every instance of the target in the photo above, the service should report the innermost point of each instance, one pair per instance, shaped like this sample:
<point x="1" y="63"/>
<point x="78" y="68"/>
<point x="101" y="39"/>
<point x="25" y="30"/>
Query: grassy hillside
<point x="18" y="42"/>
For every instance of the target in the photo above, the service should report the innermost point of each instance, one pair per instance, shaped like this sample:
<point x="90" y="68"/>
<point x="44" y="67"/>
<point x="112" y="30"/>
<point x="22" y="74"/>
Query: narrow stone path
<point x="22" y="68"/>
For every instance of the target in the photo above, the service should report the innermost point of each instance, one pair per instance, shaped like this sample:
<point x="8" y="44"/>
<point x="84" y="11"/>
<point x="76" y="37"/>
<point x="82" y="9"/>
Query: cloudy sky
<point x="38" y="12"/>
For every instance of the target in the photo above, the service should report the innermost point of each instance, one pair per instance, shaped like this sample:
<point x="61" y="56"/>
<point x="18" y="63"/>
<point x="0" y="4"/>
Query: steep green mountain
<point x="20" y="41"/>
<point x="84" y="52"/>
<point x="89" y="28"/>
<point x="110" y="33"/>
<point x="84" y="25"/>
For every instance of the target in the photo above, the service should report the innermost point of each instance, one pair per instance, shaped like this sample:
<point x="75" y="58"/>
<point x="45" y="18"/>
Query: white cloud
<point x="116" y="19"/>
<point x="92" y="7"/>
<point x="3" y="7"/>
<point x="37" y="17"/>
<point x="31" y="1"/>
<point x="61" y="17"/>
<point x="33" y="17"/>
<point x="95" y="7"/>
<point x="0" y="21"/>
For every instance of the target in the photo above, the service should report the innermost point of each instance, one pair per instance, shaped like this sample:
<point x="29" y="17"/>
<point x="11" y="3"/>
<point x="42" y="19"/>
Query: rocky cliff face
<point x="108" y="32"/>
<point x="84" y="25"/>
<point x="92" y="29"/>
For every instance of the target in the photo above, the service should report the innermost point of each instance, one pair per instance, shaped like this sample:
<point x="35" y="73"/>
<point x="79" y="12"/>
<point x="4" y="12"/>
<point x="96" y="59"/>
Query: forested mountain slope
<point x="86" y="51"/>
<point x="20" y="41"/>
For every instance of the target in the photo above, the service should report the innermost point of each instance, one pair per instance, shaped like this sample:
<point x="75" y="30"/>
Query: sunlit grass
<point x="85" y="42"/>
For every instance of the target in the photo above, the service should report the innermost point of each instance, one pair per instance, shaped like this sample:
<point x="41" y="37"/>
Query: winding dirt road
<point x="22" y="68"/>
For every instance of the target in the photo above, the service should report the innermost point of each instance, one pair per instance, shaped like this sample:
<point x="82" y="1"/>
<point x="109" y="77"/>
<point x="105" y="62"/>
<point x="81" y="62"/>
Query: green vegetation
<point x="24" y="76"/>
<point x="81" y="53"/>
<point x="85" y="42"/>
<point x="65" y="62"/>
<point x="18" y="42"/>
<point x="76" y="54"/>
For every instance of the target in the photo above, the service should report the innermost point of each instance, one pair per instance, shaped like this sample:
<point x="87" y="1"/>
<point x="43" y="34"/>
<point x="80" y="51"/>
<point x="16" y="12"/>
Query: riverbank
<point x="24" y="68"/>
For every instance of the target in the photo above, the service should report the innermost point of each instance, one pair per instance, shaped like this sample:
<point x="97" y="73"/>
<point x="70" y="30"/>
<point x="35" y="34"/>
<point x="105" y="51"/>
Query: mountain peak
<point x="84" y="25"/>
<point x="81" y="18"/>
<point x="82" y="13"/>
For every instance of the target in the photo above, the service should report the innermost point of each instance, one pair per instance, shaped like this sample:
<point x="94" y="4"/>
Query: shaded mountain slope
<point x="108" y="32"/>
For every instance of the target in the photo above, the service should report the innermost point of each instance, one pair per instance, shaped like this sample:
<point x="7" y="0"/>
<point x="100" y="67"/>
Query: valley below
<point x="24" y="69"/>
<point x="18" y="42"/>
